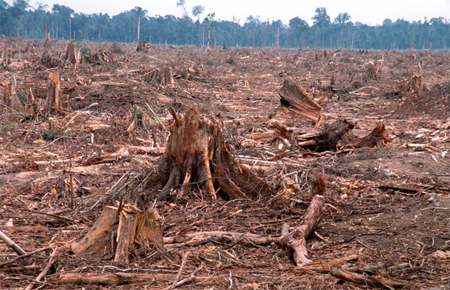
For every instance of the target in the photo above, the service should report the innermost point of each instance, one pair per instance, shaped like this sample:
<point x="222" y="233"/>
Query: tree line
<point x="194" y="28"/>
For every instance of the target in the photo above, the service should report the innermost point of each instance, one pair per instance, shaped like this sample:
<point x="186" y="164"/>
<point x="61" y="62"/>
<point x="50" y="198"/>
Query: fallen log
<point x="296" y="102"/>
<point x="296" y="240"/>
<point x="328" y="138"/>
<point x="121" y="278"/>
<point x="196" y="154"/>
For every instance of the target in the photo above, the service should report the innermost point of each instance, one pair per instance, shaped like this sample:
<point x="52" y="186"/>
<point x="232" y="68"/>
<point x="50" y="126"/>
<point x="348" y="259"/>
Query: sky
<point x="367" y="12"/>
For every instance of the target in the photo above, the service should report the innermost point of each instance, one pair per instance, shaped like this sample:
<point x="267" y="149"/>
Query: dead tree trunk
<point x="196" y="154"/>
<point x="296" y="102"/>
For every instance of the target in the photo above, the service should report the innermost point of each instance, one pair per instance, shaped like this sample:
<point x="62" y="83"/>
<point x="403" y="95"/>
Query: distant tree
<point x="139" y="12"/>
<point x="298" y="25"/>
<point x="197" y="11"/>
<point x="342" y="18"/>
<point x="62" y="12"/>
<point x="321" y="18"/>
<point x="182" y="4"/>
<point x="211" y="23"/>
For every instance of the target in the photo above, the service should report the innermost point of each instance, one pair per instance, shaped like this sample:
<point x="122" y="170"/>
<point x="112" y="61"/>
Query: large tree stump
<point x="130" y="225"/>
<point x="162" y="76"/>
<point x="196" y="154"/>
<point x="296" y="102"/>
<point x="10" y="98"/>
<point x="71" y="54"/>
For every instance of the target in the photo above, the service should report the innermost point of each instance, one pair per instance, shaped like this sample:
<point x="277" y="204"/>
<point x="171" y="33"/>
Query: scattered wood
<point x="364" y="279"/>
<point x="102" y="56"/>
<point x="44" y="271"/>
<point x="329" y="137"/>
<point x="196" y="153"/>
<point x="296" y="102"/>
<point x="124" y="153"/>
<point x="401" y="188"/>
<point x="12" y="244"/>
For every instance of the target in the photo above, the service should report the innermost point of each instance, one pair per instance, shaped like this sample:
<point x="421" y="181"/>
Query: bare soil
<point x="387" y="206"/>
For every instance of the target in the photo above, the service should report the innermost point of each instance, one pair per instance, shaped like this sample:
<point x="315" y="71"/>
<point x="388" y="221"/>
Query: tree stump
<point x="162" y="76"/>
<point x="56" y="101"/>
<point x="296" y="102"/>
<point x="71" y="54"/>
<point x="375" y="138"/>
<point x="196" y="154"/>
<point x="10" y="98"/>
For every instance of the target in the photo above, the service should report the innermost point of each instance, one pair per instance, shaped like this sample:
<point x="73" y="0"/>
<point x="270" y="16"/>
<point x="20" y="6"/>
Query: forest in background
<point x="194" y="28"/>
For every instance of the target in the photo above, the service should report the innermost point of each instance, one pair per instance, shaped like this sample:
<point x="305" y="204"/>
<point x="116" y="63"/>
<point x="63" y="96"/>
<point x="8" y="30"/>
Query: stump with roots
<point x="162" y="76"/>
<point x="196" y="155"/>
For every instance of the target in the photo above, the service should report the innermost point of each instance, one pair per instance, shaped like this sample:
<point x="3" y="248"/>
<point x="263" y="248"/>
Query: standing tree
<point x="182" y="4"/>
<point x="197" y="11"/>
<point x="321" y="23"/>
<point x="139" y="11"/>
<point x="211" y="23"/>
<point x="342" y="21"/>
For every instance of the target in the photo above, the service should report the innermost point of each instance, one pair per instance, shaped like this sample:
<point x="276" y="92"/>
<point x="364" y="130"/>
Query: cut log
<point x="196" y="154"/>
<point x="296" y="102"/>
<point x="376" y="138"/>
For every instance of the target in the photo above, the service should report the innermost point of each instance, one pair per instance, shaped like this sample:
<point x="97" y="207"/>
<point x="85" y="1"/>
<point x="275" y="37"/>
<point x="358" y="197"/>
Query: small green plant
<point x="86" y="53"/>
<point x="47" y="135"/>
<point x="8" y="129"/>
<point x="137" y="114"/>
<point x="22" y="95"/>
<point x="397" y="192"/>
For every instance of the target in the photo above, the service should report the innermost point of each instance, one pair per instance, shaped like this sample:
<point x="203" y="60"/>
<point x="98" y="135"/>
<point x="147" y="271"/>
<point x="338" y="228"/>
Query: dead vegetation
<point x="228" y="168"/>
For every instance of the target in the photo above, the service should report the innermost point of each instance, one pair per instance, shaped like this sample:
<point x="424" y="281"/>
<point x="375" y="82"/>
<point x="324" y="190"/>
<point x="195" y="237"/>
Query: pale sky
<point x="367" y="12"/>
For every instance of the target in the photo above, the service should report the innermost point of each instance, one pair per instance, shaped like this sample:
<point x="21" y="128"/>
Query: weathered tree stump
<point x="10" y="98"/>
<point x="131" y="225"/>
<point x="71" y="54"/>
<point x="376" y="137"/>
<point x="196" y="154"/>
<point x="296" y="102"/>
<point x="162" y="76"/>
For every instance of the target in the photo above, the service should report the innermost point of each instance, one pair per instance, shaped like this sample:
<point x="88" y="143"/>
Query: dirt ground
<point x="387" y="208"/>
